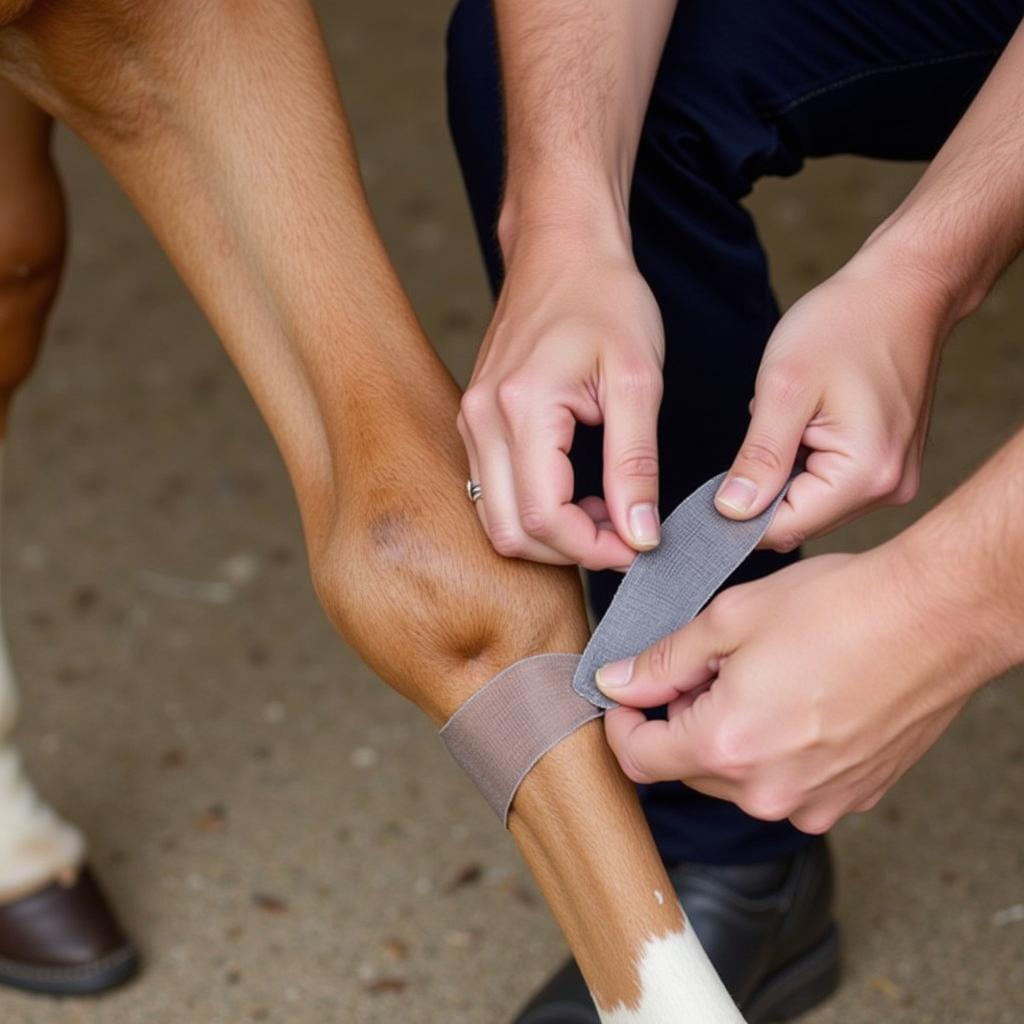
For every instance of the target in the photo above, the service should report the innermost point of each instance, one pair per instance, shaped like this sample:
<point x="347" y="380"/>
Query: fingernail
<point x="644" y="526"/>
<point x="616" y="674"/>
<point x="737" y="493"/>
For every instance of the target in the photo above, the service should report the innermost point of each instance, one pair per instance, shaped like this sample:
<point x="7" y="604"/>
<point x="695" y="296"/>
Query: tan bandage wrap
<point x="505" y="728"/>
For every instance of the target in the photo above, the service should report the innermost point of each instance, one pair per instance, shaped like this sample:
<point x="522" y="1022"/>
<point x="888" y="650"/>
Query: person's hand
<point x="576" y="337"/>
<point x="846" y="379"/>
<point x="804" y="695"/>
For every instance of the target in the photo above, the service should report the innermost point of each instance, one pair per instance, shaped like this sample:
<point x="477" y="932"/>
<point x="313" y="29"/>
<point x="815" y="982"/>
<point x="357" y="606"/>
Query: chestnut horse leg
<point x="36" y="847"/>
<point x="222" y="122"/>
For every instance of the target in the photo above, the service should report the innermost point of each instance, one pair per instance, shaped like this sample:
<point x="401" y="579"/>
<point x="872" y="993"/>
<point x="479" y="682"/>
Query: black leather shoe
<point x="767" y="928"/>
<point x="65" y="941"/>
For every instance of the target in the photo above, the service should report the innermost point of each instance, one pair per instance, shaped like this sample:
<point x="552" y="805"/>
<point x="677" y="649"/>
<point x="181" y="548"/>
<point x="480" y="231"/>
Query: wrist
<point x="560" y="210"/>
<point x="953" y="601"/>
<point x="913" y="245"/>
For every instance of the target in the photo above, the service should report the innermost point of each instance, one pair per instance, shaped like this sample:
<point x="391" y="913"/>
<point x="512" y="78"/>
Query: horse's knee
<point x="31" y="261"/>
<point x="31" y="237"/>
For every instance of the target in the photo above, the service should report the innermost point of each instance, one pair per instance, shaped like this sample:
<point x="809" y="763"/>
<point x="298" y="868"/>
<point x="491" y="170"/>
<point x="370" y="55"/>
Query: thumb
<point x="677" y="663"/>
<point x="631" y="458"/>
<point x="766" y="456"/>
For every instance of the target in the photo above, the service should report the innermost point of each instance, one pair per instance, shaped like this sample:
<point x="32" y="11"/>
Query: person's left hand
<point x="804" y="695"/>
<point x="845" y="382"/>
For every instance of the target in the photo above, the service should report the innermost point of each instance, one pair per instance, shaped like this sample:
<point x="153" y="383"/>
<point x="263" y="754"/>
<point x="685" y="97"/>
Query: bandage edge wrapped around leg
<point x="500" y="733"/>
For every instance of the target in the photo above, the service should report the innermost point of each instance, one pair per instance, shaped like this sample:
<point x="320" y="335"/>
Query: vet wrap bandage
<point x="506" y="727"/>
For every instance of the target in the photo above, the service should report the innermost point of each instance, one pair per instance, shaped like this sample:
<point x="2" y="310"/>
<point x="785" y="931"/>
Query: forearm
<point x="963" y="223"/>
<point x="578" y="77"/>
<point x="964" y="564"/>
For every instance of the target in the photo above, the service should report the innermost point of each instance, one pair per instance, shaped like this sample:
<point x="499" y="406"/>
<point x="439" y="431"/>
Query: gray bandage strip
<point x="506" y="727"/>
<point x="665" y="588"/>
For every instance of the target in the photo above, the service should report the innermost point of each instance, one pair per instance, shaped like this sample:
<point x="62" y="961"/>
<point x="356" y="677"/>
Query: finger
<point x="596" y="508"/>
<point x="677" y="663"/>
<point x="544" y="486"/>
<point x="828" y="493"/>
<point x="817" y="819"/>
<point x="631" y="457"/>
<point x="780" y="415"/>
<point x="473" y="458"/>
<point x="499" y="506"/>
<point x="484" y="435"/>
<point x="650" y="751"/>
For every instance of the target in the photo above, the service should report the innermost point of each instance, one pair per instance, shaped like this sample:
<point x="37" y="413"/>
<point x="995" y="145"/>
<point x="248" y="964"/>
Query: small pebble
<point x="240" y="568"/>
<point x="270" y="904"/>
<point x="274" y="712"/>
<point x="363" y="757"/>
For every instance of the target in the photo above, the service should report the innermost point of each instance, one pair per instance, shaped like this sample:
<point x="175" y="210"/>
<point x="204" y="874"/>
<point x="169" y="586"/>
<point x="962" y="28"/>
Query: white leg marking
<point x="678" y="985"/>
<point x="35" y="844"/>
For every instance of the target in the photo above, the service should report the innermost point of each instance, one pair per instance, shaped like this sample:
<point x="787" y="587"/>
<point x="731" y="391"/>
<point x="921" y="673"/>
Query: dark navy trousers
<point x="746" y="88"/>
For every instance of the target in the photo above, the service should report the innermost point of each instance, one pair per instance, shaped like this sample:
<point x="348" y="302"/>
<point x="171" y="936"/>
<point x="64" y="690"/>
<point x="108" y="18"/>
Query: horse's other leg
<point x="223" y="123"/>
<point x="58" y="934"/>
<point x="36" y="847"/>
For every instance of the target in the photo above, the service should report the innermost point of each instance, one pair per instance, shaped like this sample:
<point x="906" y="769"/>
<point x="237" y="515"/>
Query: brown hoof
<point x="64" y="940"/>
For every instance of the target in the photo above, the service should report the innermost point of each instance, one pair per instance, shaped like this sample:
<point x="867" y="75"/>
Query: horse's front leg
<point x="36" y="846"/>
<point x="223" y="123"/>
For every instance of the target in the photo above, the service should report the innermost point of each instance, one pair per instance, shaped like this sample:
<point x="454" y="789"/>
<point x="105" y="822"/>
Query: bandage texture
<point x="503" y="730"/>
<point x="665" y="588"/>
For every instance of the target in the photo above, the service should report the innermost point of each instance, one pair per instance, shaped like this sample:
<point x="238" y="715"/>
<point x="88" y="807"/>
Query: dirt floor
<point x="285" y="836"/>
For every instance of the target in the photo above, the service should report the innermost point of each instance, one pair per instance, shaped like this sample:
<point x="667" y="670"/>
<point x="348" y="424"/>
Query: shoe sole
<point x="799" y="986"/>
<point x="85" y="980"/>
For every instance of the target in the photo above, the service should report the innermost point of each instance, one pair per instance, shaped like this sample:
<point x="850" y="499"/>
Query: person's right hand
<point x="576" y="337"/>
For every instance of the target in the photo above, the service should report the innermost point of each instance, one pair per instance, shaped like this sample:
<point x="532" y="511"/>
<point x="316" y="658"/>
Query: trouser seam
<point x="790" y="105"/>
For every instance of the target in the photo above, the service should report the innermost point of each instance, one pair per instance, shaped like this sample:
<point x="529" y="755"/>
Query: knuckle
<point x="781" y="383"/>
<point x="814" y="823"/>
<point x="763" y="452"/>
<point x="886" y="477"/>
<point x="768" y="804"/>
<point x="724" y="609"/>
<point x="512" y="396"/>
<point x="907" y="490"/>
<point x="870" y="803"/>
<point x="640" y="463"/>
<point x="535" y="522"/>
<point x="642" y="384"/>
<point x="474" y="405"/>
<point x="724" y="753"/>
<point x="661" y="659"/>
<point x="789" y="541"/>
<point x="633" y="770"/>
<point x="506" y="540"/>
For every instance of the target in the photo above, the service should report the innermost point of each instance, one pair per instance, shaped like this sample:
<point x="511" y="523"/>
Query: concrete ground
<point x="284" y="835"/>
